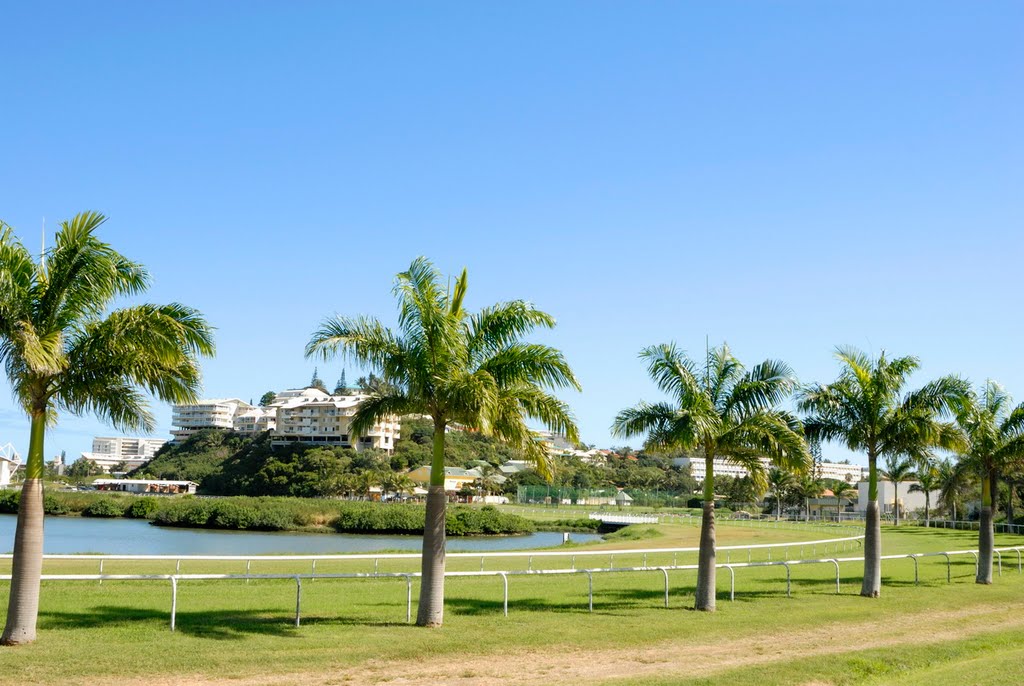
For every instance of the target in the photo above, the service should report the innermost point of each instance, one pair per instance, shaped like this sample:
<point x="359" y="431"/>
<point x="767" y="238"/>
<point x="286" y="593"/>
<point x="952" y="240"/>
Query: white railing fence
<point x="408" y="577"/>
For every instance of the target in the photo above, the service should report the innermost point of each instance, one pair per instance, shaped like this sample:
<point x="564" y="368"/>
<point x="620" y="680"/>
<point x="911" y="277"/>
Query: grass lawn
<point x="354" y="631"/>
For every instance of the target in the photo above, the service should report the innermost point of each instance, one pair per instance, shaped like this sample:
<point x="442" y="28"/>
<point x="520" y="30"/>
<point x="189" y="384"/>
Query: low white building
<point x="887" y="494"/>
<point x="146" y="486"/>
<point x="109" y="451"/>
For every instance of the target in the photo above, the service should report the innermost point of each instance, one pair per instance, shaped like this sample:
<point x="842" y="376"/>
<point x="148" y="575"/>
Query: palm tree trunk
<point x="986" y="536"/>
<point x="896" y="502"/>
<point x="431" y="604"/>
<point x="872" y="584"/>
<point x="927" y="509"/>
<point x="778" y="507"/>
<point x="706" y="582"/>
<point x="27" y="565"/>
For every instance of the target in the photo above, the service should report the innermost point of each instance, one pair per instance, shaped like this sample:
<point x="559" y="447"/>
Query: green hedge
<point x="106" y="507"/>
<point x="282" y="514"/>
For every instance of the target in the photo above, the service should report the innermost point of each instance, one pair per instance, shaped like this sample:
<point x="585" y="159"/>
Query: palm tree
<point x="728" y="412"/>
<point x="63" y="350"/>
<point x="866" y="409"/>
<point x="842" y="491"/>
<point x="953" y="483"/>
<point x="927" y="481"/>
<point x="470" y="369"/>
<point x="994" y="433"/>
<point x="897" y="471"/>
<point x="486" y="484"/>
<point x="780" y="482"/>
<point x="808" y="487"/>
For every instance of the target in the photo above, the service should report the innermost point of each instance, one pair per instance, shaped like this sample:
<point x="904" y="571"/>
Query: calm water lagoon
<point x="137" y="537"/>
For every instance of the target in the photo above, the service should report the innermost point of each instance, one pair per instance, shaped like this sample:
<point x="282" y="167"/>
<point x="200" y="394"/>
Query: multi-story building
<point x="554" y="442"/>
<point x="132" y="452"/>
<point x="206" y="414"/>
<point x="255" y="420"/>
<point x="850" y="473"/>
<point x="312" y="416"/>
<point x="722" y="467"/>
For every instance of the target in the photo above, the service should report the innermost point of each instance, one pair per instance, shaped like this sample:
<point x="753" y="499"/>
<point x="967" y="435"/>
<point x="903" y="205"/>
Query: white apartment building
<point x="256" y="420"/>
<point x="217" y="413"/>
<point x="850" y="473"/>
<point x="312" y="416"/>
<point x="108" y="451"/>
<point x="553" y="442"/>
<point x="722" y="467"/>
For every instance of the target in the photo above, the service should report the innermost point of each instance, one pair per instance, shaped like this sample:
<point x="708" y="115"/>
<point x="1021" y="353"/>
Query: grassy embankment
<point x="353" y="630"/>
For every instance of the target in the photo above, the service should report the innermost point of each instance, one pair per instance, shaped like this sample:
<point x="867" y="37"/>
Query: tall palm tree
<point x="842" y="491"/>
<point x="927" y="481"/>
<point x="897" y="471"/>
<point x="994" y="433"/>
<point x="456" y="367"/>
<point x="728" y="412"/>
<point x="866" y="409"/>
<point x="780" y="483"/>
<point x="63" y="350"/>
<point x="954" y="481"/>
<point x="808" y="487"/>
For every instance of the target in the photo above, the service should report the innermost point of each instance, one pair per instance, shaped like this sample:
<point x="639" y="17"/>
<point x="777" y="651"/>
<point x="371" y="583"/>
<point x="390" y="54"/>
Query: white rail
<point x="416" y="556"/>
<point x="408" y="576"/>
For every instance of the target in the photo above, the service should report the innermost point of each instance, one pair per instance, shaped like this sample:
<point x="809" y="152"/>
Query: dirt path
<point x="664" y="659"/>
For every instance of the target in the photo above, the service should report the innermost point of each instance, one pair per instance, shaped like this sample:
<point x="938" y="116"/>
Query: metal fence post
<point x="408" y="599"/>
<point x="949" y="578"/>
<point x="248" y="564"/>
<point x="732" y="582"/>
<point x="976" y="564"/>
<point x="590" y="579"/>
<point x="836" y="563"/>
<point x="665" y="572"/>
<point x="314" y="569"/>
<point x="1000" y="557"/>
<point x="298" y="598"/>
<point x="916" y="578"/>
<point x="504" y="577"/>
<point x="789" y="593"/>
<point x="174" y="601"/>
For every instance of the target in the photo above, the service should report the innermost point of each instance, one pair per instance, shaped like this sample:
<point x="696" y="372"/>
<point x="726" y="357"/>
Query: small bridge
<point x="613" y="522"/>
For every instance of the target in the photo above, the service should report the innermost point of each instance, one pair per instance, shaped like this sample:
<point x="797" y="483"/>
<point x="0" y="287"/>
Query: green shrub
<point x="105" y="507"/>
<point x="54" y="504"/>
<point x="9" y="501"/>
<point x="580" y="524"/>
<point x="142" y="508"/>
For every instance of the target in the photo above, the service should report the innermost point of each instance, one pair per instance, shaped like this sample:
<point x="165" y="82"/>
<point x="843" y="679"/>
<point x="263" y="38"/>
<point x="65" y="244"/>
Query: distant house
<point x="454" y="477"/>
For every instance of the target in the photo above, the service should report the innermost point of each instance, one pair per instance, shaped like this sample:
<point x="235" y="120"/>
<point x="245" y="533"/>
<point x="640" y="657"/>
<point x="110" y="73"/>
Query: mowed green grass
<point x="90" y="632"/>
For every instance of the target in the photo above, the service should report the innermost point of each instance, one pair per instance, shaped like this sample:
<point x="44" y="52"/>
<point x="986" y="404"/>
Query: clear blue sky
<point x="786" y="176"/>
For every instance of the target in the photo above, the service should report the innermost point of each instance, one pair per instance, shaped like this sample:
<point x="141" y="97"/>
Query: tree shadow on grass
<point x="211" y="624"/>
